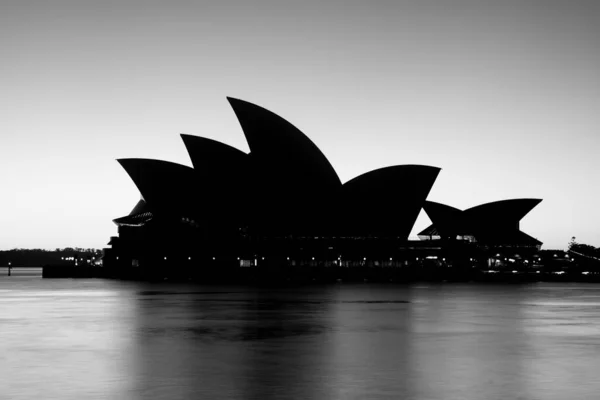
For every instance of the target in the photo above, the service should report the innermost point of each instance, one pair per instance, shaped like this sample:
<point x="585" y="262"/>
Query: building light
<point x="214" y="258"/>
<point x="238" y="258"/>
<point x="189" y="258"/>
<point x="165" y="258"/>
<point x="117" y="257"/>
<point x="263" y="258"/>
<point x="365" y="259"/>
<point x="514" y="271"/>
<point x="313" y="259"/>
<point x="288" y="258"/>
<point x="585" y="273"/>
<point x="390" y="258"/>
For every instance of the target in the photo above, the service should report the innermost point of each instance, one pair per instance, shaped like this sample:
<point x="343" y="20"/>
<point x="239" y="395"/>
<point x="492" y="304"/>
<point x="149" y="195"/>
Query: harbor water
<point x="102" y="339"/>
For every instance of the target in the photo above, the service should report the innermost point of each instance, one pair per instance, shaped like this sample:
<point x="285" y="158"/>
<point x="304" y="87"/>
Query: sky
<point x="504" y="96"/>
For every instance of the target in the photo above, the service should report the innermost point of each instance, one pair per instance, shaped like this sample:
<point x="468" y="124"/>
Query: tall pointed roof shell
<point x="281" y="150"/>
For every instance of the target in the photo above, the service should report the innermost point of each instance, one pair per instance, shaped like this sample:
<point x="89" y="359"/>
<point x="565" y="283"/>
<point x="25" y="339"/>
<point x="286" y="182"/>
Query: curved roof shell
<point x="510" y="210"/>
<point x="284" y="155"/>
<point x="386" y="202"/>
<point x="164" y="185"/>
<point x="293" y="184"/>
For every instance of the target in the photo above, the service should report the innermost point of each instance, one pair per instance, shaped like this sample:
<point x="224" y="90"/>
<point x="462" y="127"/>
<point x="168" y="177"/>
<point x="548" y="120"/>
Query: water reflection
<point x="68" y="339"/>
<point x="227" y="344"/>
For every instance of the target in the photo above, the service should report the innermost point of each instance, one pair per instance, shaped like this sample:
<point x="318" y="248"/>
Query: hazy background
<point x="504" y="96"/>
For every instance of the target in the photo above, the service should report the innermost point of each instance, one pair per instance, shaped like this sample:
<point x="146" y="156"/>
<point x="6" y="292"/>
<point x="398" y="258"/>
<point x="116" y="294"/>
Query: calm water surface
<point x="101" y="339"/>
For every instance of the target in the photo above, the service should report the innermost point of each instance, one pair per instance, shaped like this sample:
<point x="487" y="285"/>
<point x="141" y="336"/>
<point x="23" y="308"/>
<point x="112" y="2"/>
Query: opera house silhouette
<point x="284" y="204"/>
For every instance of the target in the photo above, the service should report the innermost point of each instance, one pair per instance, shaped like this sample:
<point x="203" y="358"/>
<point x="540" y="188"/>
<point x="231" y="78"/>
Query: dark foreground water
<point x="100" y="339"/>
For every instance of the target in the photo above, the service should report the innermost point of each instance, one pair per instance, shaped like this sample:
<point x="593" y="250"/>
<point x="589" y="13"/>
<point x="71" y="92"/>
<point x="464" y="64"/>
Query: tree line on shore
<point x="583" y="249"/>
<point x="41" y="257"/>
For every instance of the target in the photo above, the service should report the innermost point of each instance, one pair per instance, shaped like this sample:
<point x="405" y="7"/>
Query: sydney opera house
<point x="283" y="203"/>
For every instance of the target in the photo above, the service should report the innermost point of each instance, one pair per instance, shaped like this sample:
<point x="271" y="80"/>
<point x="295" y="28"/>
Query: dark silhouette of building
<point x="283" y="202"/>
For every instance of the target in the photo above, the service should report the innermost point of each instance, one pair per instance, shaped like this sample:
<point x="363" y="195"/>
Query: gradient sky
<point x="504" y="96"/>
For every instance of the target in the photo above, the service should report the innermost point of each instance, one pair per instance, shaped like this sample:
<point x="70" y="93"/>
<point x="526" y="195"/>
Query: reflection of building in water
<point x="240" y="344"/>
<point x="281" y="203"/>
